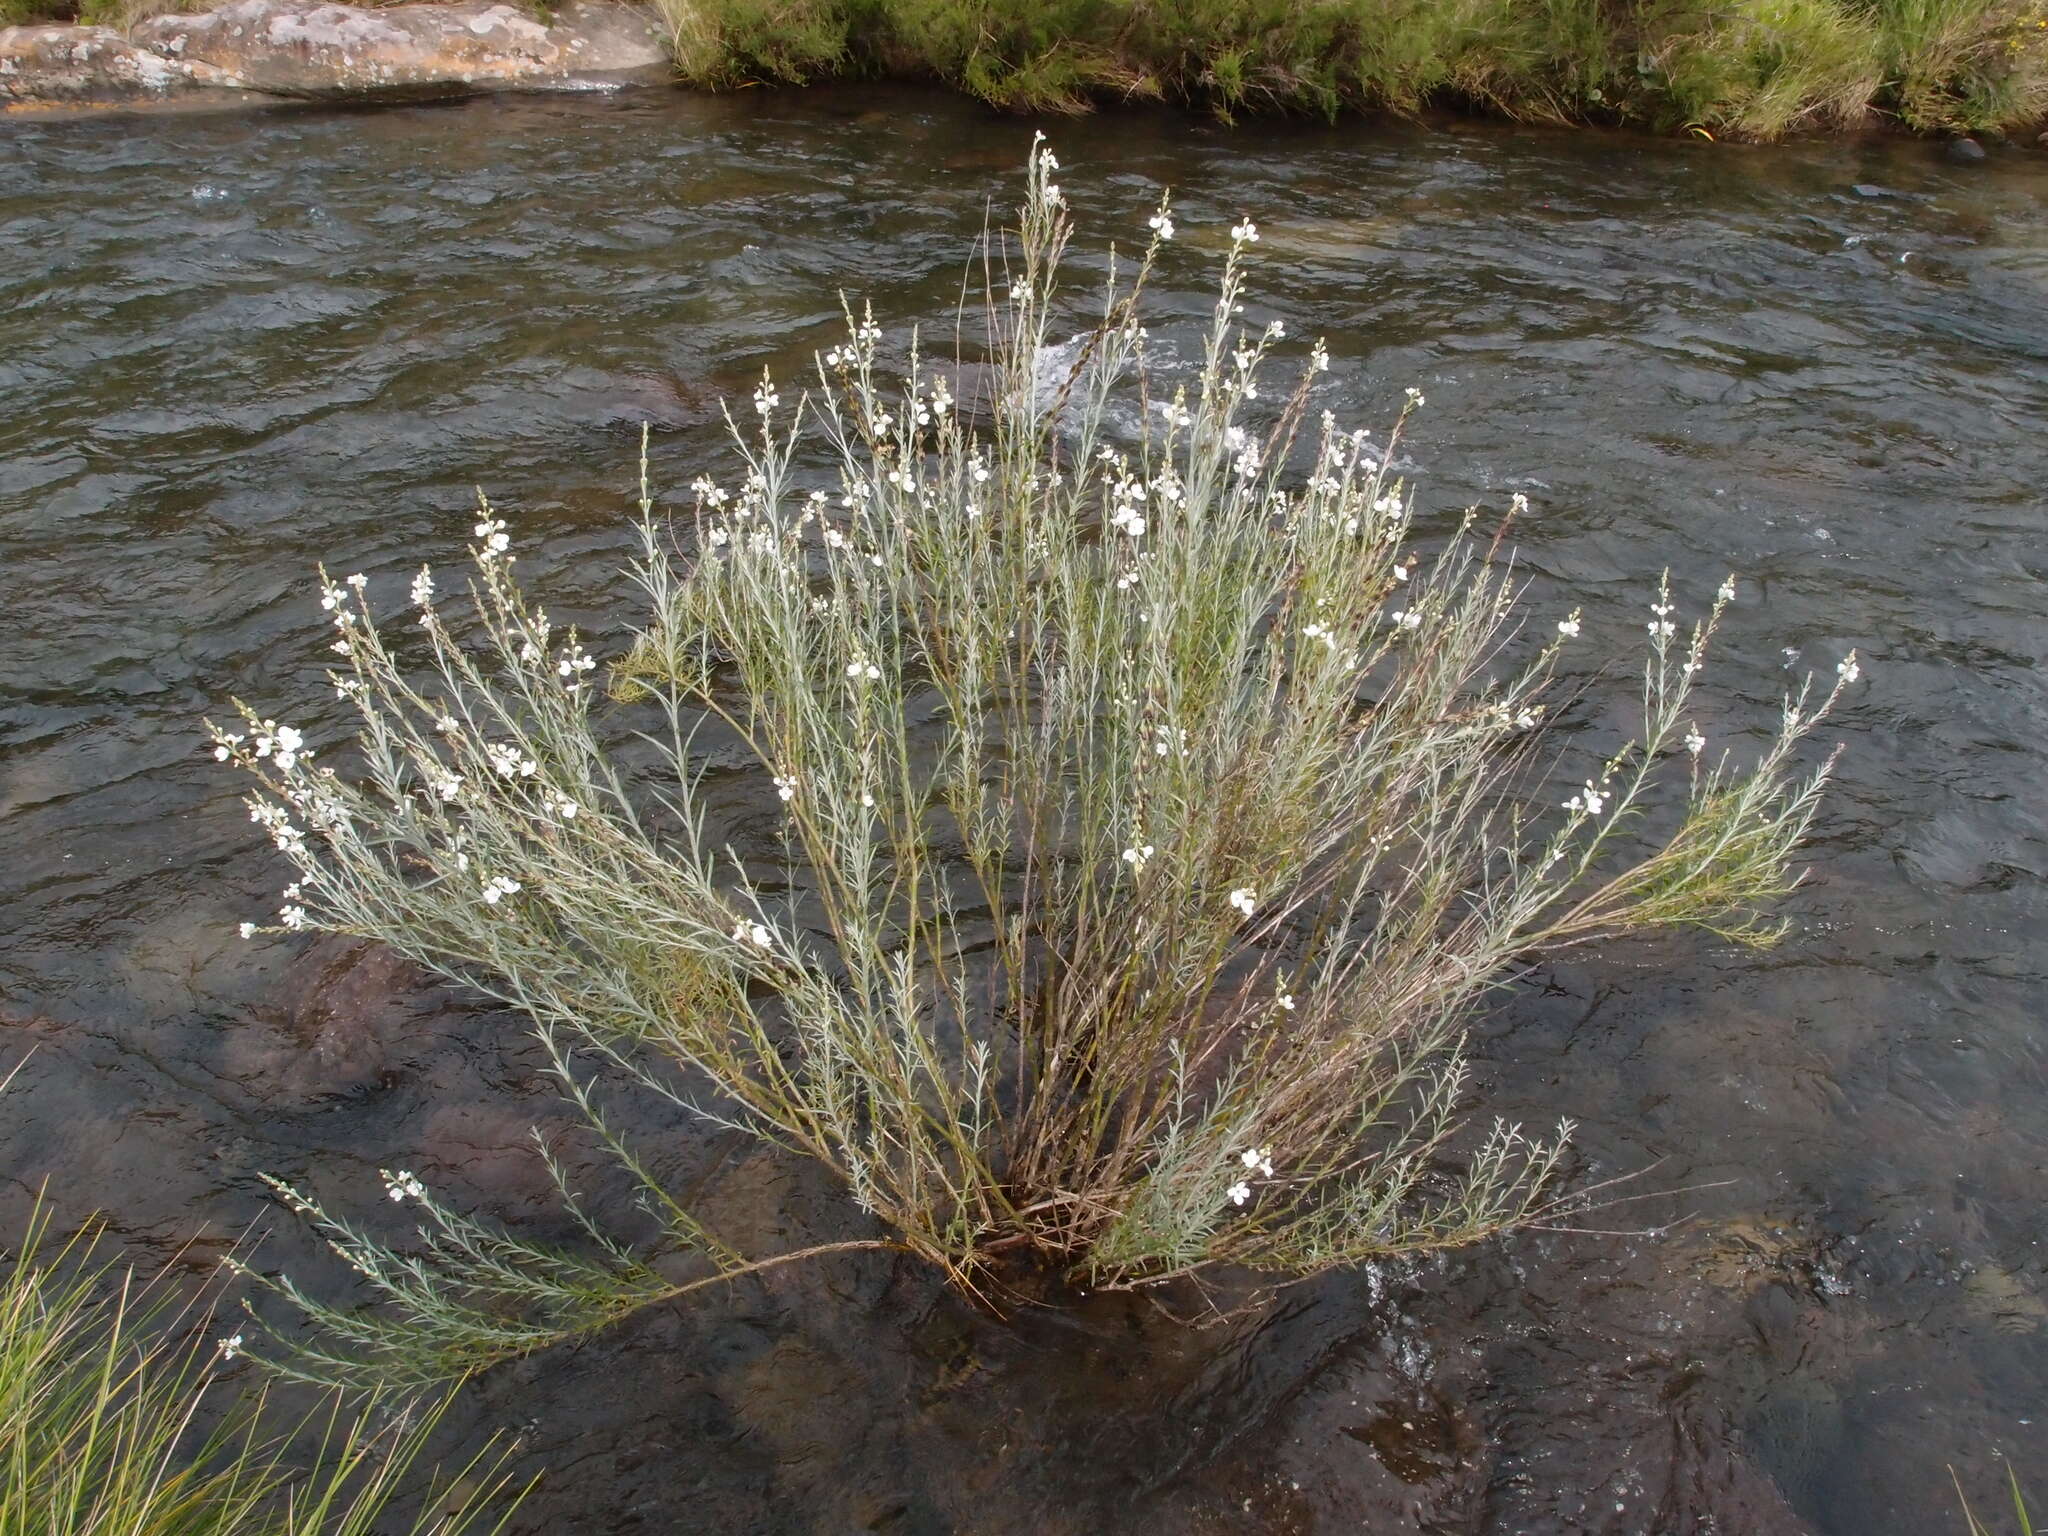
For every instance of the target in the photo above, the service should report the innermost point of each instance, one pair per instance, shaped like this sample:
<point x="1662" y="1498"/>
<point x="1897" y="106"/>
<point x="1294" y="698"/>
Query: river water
<point x="237" y="345"/>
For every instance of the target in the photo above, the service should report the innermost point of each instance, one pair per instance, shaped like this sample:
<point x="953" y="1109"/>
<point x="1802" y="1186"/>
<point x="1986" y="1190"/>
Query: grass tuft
<point x="115" y="1421"/>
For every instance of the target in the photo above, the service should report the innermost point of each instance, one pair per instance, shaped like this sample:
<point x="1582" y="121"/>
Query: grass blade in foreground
<point x="109" y="1425"/>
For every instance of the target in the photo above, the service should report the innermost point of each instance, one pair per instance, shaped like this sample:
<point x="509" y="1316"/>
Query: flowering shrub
<point x="1155" y="809"/>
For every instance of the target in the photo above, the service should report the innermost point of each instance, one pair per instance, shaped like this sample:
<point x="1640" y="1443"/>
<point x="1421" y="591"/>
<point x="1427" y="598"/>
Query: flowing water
<point x="238" y="345"/>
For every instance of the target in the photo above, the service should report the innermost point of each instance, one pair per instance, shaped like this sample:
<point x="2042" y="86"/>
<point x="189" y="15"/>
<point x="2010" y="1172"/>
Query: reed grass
<point x="2023" y="1524"/>
<point x="115" y="1421"/>
<point x="1155" y="805"/>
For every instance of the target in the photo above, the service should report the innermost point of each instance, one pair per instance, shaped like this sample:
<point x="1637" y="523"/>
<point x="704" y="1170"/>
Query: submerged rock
<point x="1964" y="151"/>
<point x="317" y="49"/>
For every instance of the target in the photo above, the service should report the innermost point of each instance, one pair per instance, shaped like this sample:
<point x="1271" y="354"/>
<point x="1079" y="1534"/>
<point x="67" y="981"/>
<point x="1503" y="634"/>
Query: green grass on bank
<point x="1753" y="69"/>
<point x="1741" y="68"/>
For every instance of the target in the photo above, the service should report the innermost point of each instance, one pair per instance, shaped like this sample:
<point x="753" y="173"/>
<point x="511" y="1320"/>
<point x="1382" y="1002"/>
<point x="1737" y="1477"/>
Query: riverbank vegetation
<point x="1746" y="68"/>
<point x="1144" y="803"/>
<point x="1753" y="69"/>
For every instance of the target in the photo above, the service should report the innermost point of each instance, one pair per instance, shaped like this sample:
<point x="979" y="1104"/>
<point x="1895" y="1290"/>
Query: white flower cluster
<point x="1257" y="1160"/>
<point x="574" y="663"/>
<point x="282" y="744"/>
<point x="496" y="541"/>
<point x="860" y="346"/>
<point x="509" y="762"/>
<point x="498" y="887"/>
<point x="1245" y="899"/>
<point x="1592" y="800"/>
<point x="402" y="1185"/>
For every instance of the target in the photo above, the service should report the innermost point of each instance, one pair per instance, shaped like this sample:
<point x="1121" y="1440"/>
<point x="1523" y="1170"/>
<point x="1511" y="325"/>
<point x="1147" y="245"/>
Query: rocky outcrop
<point x="319" y="50"/>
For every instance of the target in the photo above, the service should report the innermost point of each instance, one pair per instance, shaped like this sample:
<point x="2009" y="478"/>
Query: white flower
<point x="1415" y="399"/>
<point x="1138" y="855"/>
<point x="765" y="397"/>
<point x="229" y="1347"/>
<point x="508" y="762"/>
<point x="495" y="540"/>
<point x="287" y="745"/>
<point x="785" y="788"/>
<point x="1245" y="232"/>
<point x="859" y="667"/>
<point x="1519" y="503"/>
<point x="1695" y="743"/>
<point x="1661" y="629"/>
<point x="1284" y="1002"/>
<point x="448" y="788"/>
<point x="1527" y="718"/>
<point x="1161" y="225"/>
<point x="402" y="1185"/>
<point x="1259" y="1160"/>
<point x="1128" y="521"/>
<point x="248" y="930"/>
<point x="1240" y="1192"/>
<point x="423" y="588"/>
<point x="1592" y="802"/>
<point x="1245" y="899"/>
<point x="1847" y="669"/>
<point x="1727" y="592"/>
<point x="293" y="917"/>
<point x="497" y="887"/>
<point x="751" y="933"/>
<point x="1406" y="618"/>
<point x="1569" y="625"/>
<point x="575" y="660"/>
